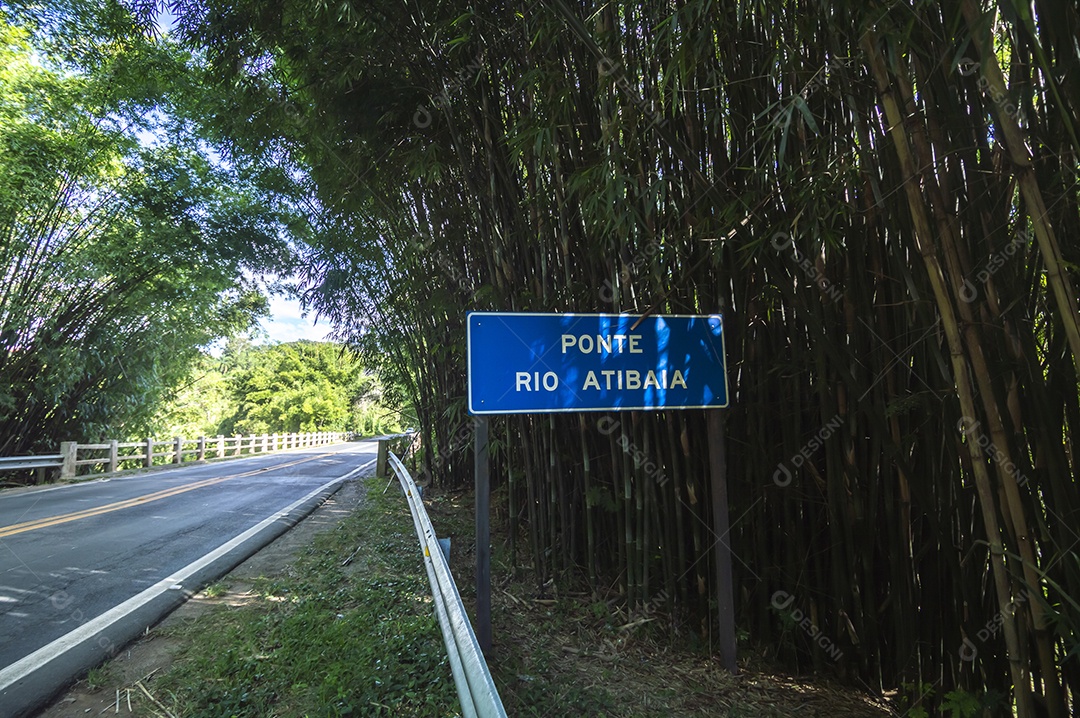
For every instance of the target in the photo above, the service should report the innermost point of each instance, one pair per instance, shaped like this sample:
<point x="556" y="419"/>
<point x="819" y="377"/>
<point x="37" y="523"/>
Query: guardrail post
<point x="380" y="462"/>
<point x="202" y="448"/>
<point x="239" y="445"/>
<point x="265" y="443"/>
<point x="68" y="451"/>
<point x="220" y="446"/>
<point x="114" y="455"/>
<point x="178" y="450"/>
<point x="148" y="460"/>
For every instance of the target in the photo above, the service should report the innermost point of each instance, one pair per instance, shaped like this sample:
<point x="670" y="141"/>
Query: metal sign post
<point x="725" y="593"/>
<point x="483" y="536"/>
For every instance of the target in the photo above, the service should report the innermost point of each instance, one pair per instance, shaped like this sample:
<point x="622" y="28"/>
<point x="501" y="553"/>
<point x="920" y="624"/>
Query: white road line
<point x="25" y="666"/>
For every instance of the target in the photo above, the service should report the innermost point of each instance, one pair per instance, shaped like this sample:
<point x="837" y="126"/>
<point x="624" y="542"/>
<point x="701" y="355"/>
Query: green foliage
<point x="283" y="388"/>
<point x="916" y="697"/>
<point x="303" y="386"/>
<point x="199" y="405"/>
<point x="124" y="242"/>
<point x="959" y="703"/>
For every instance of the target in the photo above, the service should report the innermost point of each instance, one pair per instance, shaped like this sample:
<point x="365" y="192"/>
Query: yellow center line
<point x="138" y="500"/>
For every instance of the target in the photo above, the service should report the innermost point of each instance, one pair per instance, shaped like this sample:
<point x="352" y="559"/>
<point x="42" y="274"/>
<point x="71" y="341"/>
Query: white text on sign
<point x="608" y="379"/>
<point x="610" y="343"/>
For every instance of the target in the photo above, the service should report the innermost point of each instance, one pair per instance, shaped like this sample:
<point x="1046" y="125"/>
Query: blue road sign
<point x="538" y="363"/>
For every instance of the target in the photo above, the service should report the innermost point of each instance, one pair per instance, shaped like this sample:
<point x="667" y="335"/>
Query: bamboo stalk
<point x="922" y="237"/>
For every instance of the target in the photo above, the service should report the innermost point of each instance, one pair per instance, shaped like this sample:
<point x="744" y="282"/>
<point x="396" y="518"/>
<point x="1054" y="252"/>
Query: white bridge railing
<point x="109" y="457"/>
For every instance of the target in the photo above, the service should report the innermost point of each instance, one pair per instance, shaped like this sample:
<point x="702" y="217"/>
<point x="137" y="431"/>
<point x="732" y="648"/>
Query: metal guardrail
<point x="476" y="690"/>
<point x="25" y="463"/>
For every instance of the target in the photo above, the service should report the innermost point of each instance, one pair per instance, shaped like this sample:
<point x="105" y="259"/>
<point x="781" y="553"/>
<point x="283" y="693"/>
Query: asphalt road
<point x="87" y="567"/>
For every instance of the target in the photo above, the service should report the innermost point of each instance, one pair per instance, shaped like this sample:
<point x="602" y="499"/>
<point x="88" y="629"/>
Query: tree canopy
<point x="282" y="388"/>
<point x="125" y="243"/>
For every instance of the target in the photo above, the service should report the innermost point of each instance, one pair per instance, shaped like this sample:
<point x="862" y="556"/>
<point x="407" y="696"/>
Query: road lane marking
<point x="139" y="500"/>
<point x="23" y="667"/>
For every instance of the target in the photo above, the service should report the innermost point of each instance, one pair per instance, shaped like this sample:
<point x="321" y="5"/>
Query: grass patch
<point x="324" y="639"/>
<point x="216" y="589"/>
<point x="97" y="677"/>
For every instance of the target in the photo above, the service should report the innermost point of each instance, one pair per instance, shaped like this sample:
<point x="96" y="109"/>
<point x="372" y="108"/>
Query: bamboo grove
<point x="881" y="197"/>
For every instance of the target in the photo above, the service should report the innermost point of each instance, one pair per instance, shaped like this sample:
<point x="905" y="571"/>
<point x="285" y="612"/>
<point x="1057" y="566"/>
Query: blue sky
<point x="286" y="322"/>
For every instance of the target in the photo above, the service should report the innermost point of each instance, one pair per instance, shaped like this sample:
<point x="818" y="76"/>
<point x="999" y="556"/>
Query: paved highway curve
<point x="86" y="567"/>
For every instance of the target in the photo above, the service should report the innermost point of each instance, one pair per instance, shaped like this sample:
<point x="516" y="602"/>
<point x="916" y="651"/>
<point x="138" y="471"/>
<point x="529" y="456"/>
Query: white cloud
<point x="287" y="323"/>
